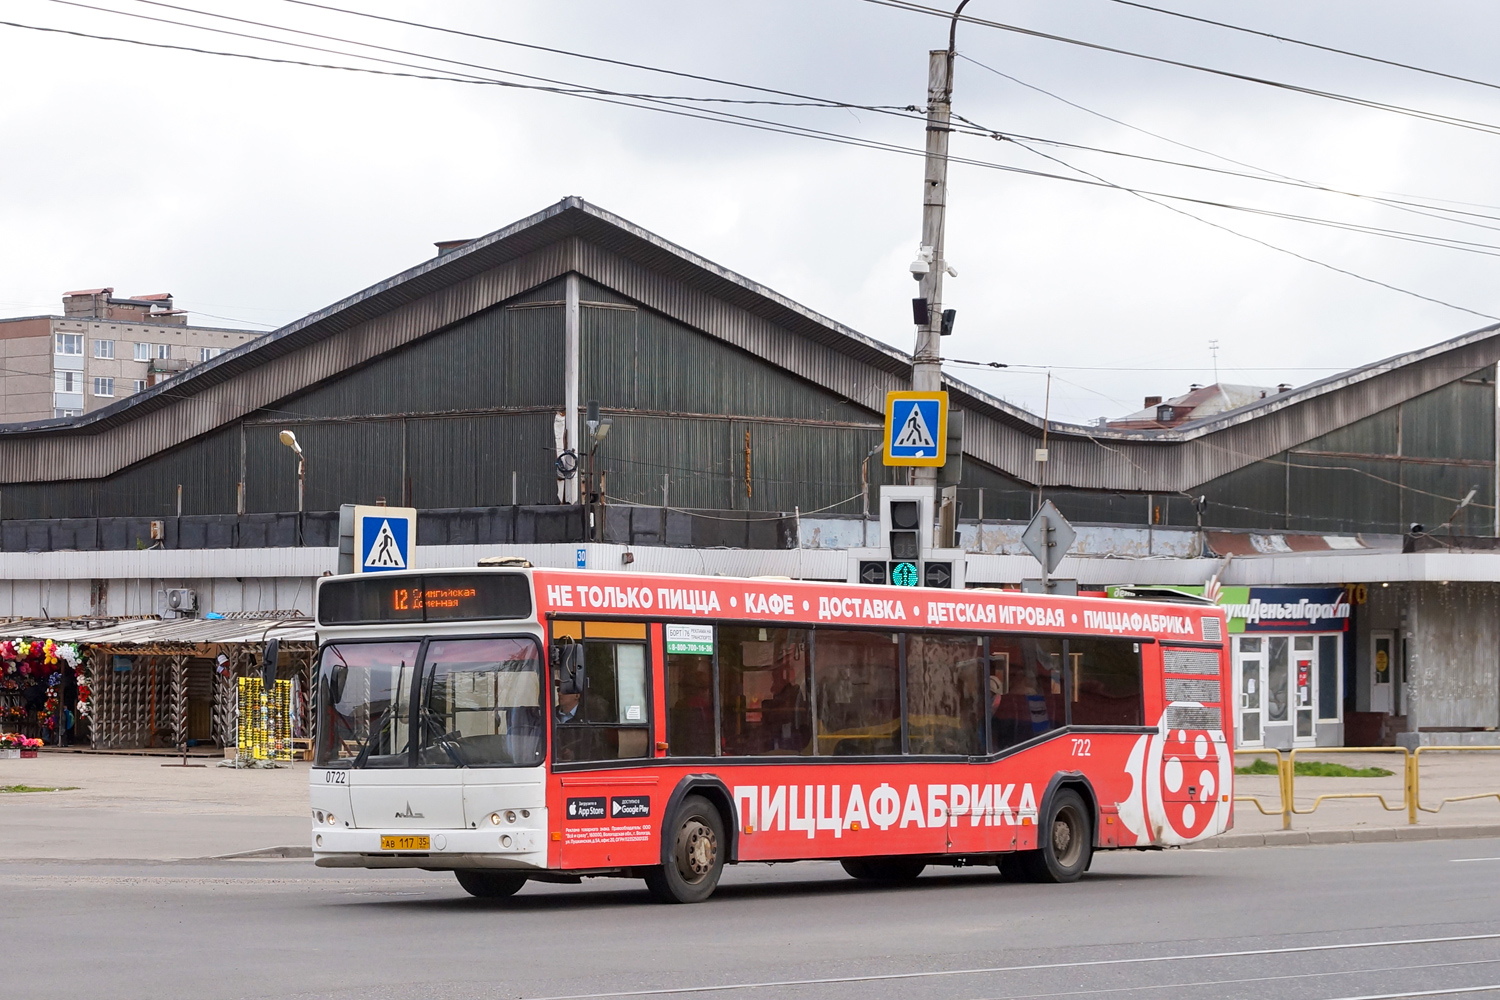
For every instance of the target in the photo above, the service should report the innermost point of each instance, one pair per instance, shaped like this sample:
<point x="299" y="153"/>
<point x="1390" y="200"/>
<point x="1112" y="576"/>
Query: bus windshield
<point x="479" y="704"/>
<point x="365" y="693"/>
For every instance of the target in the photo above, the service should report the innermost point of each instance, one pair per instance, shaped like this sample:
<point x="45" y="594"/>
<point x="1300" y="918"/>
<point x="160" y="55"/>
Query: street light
<point x="290" y="440"/>
<point x="598" y="430"/>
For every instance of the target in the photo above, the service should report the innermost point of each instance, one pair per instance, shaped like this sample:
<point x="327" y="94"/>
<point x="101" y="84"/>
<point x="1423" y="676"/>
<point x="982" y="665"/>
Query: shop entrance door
<point x="1304" y="689"/>
<point x="1250" y="674"/>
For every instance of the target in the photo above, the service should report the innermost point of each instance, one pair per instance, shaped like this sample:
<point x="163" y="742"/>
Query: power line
<point x="573" y="89"/>
<point x="1272" y="246"/>
<point x="1432" y="116"/>
<point x="805" y="99"/>
<point x="664" y="105"/>
<point x="1311" y="45"/>
<point x="1428" y="211"/>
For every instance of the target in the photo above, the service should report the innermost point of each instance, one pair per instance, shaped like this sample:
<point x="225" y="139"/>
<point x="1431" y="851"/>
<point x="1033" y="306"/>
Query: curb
<point x="264" y="852"/>
<point x="1294" y="838"/>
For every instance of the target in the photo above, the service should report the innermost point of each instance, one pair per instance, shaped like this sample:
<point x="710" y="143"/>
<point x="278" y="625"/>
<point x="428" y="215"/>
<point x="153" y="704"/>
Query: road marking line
<point x="1237" y="982"/>
<point x="1302" y="949"/>
<point x="1457" y="861"/>
<point x="1424" y="993"/>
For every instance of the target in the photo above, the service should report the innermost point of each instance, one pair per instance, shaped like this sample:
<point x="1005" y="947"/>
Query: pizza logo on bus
<point x="1179" y="779"/>
<point x="1189" y="781"/>
<point x="835" y="808"/>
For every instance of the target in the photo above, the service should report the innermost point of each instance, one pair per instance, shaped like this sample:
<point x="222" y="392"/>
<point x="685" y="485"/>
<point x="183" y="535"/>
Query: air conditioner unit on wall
<point x="182" y="600"/>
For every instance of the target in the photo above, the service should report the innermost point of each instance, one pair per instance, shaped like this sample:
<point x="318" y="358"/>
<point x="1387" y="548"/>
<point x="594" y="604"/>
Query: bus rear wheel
<point x="696" y="859"/>
<point x="1065" y="843"/>
<point x="884" y="869"/>
<point x="489" y="884"/>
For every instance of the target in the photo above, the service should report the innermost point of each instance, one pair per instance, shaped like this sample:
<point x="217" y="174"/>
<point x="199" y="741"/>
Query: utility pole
<point x="930" y="266"/>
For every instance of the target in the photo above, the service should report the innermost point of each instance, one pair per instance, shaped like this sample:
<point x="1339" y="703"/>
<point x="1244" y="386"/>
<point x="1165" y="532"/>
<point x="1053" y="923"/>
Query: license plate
<point x="422" y="843"/>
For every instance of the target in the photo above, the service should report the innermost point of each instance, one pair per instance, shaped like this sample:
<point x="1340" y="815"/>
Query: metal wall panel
<point x="1374" y="435"/>
<point x="1339" y="494"/>
<point x="1456" y="421"/>
<point x="1432" y="493"/>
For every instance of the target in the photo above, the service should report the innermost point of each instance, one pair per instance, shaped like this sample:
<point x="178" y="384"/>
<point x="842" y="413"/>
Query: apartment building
<point x="100" y="349"/>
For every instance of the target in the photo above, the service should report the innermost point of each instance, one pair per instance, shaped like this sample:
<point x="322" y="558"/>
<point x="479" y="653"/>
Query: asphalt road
<point x="1345" y="921"/>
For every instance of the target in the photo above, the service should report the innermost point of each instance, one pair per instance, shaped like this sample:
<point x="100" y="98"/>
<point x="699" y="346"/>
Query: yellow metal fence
<point x="1411" y="786"/>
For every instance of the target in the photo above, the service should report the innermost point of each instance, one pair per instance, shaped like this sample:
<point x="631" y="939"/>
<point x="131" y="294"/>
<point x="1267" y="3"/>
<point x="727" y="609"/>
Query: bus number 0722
<point x="1082" y="747"/>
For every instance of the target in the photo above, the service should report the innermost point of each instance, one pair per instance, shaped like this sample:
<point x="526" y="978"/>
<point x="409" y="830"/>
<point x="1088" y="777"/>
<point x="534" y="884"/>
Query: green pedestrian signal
<point x="904" y="574"/>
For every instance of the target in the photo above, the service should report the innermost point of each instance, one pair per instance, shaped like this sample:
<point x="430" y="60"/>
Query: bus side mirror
<point x="268" y="663"/>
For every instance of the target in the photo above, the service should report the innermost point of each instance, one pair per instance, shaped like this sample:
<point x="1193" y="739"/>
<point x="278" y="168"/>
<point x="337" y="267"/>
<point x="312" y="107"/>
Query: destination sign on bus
<point x="445" y="597"/>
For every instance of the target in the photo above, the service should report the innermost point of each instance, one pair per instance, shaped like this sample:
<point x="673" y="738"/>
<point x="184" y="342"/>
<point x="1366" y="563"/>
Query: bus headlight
<point x="495" y="818"/>
<point x="510" y="817"/>
<point x="331" y="819"/>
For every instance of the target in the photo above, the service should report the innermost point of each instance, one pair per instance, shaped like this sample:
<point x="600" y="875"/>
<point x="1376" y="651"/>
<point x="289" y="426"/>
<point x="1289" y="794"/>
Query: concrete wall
<point x="1453" y="655"/>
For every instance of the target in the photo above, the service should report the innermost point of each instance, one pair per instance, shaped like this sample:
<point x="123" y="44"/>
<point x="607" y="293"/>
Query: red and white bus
<point x="528" y="724"/>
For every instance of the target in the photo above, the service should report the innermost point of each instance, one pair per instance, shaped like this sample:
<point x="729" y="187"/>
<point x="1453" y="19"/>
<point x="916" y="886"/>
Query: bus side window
<point x="602" y="711"/>
<point x="858" y="678"/>
<point x="942" y="703"/>
<point x="763" y="691"/>
<point x="1106" y="682"/>
<point x="1028" y="701"/>
<point x="690" y="704"/>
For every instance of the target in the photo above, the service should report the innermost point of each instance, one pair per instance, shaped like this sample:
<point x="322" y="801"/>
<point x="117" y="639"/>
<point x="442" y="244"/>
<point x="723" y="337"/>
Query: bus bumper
<point x="513" y="846"/>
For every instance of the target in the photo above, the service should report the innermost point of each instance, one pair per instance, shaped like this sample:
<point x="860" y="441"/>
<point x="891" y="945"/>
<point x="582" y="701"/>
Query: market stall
<point x="144" y="683"/>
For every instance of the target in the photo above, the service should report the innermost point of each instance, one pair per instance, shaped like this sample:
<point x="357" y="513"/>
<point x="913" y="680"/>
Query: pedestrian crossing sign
<point x="916" y="428"/>
<point x="383" y="538"/>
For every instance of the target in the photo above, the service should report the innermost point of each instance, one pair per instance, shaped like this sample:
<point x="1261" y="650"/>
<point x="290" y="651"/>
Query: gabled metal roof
<point x="575" y="236"/>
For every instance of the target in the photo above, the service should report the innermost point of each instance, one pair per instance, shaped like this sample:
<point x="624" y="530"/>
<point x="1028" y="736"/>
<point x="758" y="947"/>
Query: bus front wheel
<point x="489" y="884"/>
<point x="1065" y="843"/>
<point x="696" y="860"/>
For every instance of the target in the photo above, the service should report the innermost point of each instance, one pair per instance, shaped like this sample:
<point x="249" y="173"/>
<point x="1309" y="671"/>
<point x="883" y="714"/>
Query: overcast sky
<point x="260" y="192"/>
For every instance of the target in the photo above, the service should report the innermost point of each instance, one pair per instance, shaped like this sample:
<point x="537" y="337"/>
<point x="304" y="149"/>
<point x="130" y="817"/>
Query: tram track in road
<point x="1094" y="964"/>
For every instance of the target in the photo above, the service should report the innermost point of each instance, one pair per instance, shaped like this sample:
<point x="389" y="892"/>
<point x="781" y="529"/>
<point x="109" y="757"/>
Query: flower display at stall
<point x="15" y="741"/>
<point x="29" y="665"/>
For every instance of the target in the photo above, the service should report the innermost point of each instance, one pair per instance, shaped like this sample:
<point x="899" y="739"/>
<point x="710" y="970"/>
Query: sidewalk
<point x="1443" y="775"/>
<point x="133" y="807"/>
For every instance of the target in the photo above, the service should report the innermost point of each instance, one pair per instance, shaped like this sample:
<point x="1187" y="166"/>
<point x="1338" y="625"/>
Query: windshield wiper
<point x="375" y="730"/>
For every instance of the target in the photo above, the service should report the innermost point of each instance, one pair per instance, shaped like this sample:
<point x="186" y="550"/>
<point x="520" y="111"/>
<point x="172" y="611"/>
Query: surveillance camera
<point x="919" y="267"/>
<point x="1417" y="529"/>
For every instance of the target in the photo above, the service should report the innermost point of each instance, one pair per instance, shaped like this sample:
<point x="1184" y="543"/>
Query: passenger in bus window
<point x="763" y="685"/>
<point x="1025" y="705"/>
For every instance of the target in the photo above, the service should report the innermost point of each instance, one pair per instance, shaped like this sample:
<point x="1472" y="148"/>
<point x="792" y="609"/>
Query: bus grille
<point x="1191" y="661"/>
<point x="1193" y="717"/>
<point x="1193" y="690"/>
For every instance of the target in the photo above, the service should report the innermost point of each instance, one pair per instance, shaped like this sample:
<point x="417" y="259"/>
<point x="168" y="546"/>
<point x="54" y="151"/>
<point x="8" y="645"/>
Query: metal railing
<point x="1411" y="796"/>
<point x="1281" y="790"/>
<point x="1415" y="780"/>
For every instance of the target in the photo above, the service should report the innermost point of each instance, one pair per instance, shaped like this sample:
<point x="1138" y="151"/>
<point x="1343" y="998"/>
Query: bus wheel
<point x="884" y="869"/>
<point x="1066" y="841"/>
<point x="489" y="884"/>
<point x="697" y="859"/>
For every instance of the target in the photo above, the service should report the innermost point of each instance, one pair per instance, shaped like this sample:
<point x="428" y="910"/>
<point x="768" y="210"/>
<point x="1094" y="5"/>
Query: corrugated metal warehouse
<point x="742" y="423"/>
<point x="439" y="388"/>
